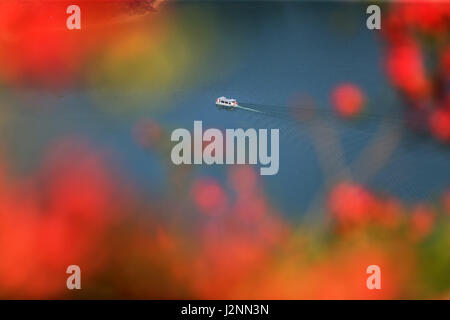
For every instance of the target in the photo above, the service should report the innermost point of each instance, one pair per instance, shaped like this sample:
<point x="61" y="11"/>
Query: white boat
<point x="225" y="102"/>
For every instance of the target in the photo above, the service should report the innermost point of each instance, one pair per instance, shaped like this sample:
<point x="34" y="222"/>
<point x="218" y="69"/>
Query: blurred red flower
<point x="39" y="49"/>
<point x="445" y="61"/>
<point x="415" y="67"/>
<point x="54" y="219"/>
<point x="343" y="275"/>
<point x="348" y="100"/>
<point x="422" y="221"/>
<point x="427" y="16"/>
<point x="350" y="203"/>
<point x="227" y="262"/>
<point x="405" y="69"/>
<point x="439" y="123"/>
<point x="209" y="196"/>
<point x="33" y="44"/>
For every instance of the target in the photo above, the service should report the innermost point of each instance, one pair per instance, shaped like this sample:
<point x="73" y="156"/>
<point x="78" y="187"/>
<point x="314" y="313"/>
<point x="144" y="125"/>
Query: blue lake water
<point x="264" y="53"/>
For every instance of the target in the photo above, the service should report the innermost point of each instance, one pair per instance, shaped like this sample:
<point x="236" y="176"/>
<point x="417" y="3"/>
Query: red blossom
<point x="348" y="100"/>
<point x="445" y="61"/>
<point x="52" y="220"/>
<point x="439" y="124"/>
<point x="209" y="196"/>
<point x="78" y="181"/>
<point x="343" y="275"/>
<point x="430" y="17"/>
<point x="405" y="69"/>
<point x="417" y="72"/>
<point x="422" y="221"/>
<point x="350" y="203"/>
<point x="39" y="49"/>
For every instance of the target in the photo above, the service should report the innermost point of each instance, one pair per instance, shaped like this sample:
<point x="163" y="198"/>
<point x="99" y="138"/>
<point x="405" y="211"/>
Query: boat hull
<point x="221" y="106"/>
